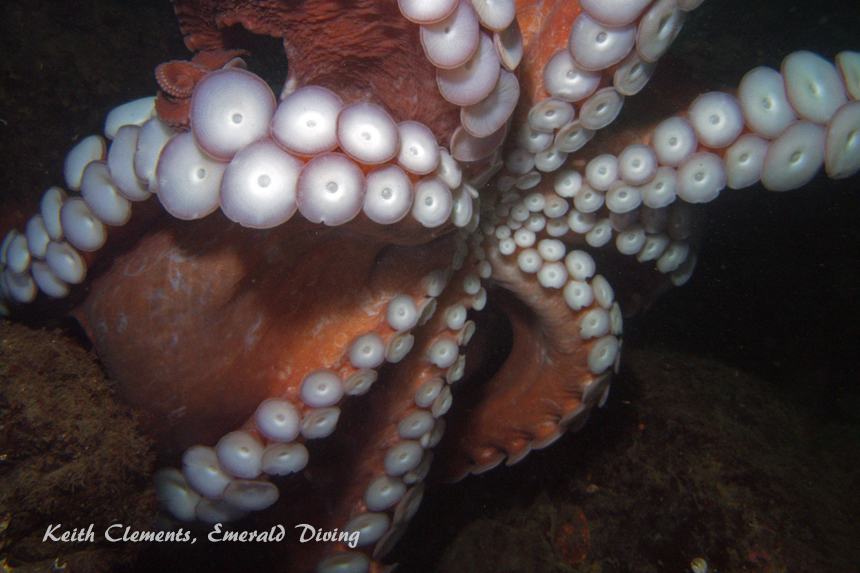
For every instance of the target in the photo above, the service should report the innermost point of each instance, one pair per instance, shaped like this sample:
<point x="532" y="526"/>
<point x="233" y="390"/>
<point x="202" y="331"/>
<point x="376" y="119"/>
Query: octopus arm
<point x="538" y="391"/>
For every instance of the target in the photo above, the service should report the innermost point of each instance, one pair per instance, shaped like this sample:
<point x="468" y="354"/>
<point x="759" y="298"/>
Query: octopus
<point x="408" y="264"/>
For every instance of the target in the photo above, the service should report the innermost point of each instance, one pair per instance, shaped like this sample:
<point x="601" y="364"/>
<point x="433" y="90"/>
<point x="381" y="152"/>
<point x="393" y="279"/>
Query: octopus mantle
<point x="295" y="355"/>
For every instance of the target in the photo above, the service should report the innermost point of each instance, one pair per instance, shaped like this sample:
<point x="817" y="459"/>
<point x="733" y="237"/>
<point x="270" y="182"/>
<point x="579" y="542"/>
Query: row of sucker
<point x="552" y="271"/>
<point x="475" y="46"/>
<point x="227" y="481"/>
<point x="611" y="53"/>
<point x="780" y="130"/>
<point x="258" y="162"/>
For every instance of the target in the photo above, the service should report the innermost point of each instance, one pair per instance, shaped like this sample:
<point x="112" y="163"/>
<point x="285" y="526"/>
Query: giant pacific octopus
<point x="293" y="291"/>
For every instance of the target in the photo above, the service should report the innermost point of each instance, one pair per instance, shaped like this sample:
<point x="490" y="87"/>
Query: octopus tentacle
<point x="712" y="148"/>
<point x="568" y="336"/>
<point x="382" y="472"/>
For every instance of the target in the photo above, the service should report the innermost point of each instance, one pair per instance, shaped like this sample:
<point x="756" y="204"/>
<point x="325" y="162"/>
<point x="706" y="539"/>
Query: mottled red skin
<point x="366" y="53"/>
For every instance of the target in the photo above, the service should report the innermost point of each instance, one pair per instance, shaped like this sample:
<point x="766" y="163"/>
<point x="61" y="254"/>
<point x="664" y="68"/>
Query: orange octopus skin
<point x="210" y="307"/>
